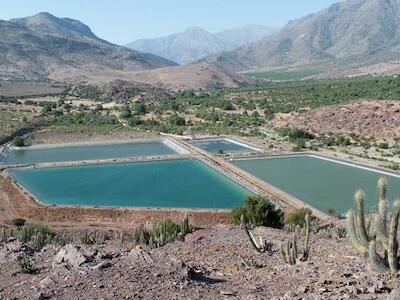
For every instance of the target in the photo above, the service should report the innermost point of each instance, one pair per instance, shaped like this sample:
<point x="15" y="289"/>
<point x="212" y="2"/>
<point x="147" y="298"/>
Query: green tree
<point x="259" y="212"/>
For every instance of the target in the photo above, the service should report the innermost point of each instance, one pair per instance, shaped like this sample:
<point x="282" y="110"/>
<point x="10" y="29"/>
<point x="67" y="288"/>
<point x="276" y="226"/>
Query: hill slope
<point x="193" y="76"/>
<point x="196" y="43"/>
<point x="358" y="32"/>
<point x="44" y="46"/>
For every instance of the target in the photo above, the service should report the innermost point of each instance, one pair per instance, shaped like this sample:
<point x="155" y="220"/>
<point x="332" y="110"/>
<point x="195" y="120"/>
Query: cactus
<point x="185" y="226"/>
<point x="393" y="245"/>
<point x="141" y="235"/>
<point x="62" y="239"/>
<point x="167" y="231"/>
<point x="289" y="249"/>
<point x="386" y="236"/>
<point x="99" y="238"/>
<point x="356" y="225"/>
<point x="39" y="240"/>
<point x="3" y="235"/>
<point x="84" y="237"/>
<point x="306" y="249"/>
<point x="261" y="245"/>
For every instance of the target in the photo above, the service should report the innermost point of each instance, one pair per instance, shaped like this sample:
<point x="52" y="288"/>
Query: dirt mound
<point x="379" y="119"/>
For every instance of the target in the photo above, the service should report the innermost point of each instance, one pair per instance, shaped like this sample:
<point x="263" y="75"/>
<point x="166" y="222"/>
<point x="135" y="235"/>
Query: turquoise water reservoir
<point x="185" y="183"/>
<point x="89" y="152"/>
<point x="320" y="183"/>
<point x="213" y="146"/>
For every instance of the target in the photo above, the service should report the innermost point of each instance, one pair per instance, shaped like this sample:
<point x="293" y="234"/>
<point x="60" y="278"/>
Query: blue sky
<point x="123" y="21"/>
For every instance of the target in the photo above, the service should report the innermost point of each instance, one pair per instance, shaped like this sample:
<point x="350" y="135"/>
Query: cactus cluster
<point x="167" y="231"/>
<point x="92" y="237"/>
<point x="289" y="249"/>
<point x="384" y="231"/>
<point x="62" y="238"/>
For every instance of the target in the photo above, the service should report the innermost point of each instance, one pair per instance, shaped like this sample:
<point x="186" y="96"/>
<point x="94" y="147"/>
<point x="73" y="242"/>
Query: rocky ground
<point x="379" y="119"/>
<point x="217" y="263"/>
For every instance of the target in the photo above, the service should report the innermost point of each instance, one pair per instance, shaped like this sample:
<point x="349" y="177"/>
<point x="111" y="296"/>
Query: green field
<point x="283" y="75"/>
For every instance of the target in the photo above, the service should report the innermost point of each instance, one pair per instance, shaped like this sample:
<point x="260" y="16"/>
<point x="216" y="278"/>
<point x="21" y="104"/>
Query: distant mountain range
<point x="196" y="43"/>
<point x="44" y="46"/>
<point x="350" y="37"/>
<point x="348" y="34"/>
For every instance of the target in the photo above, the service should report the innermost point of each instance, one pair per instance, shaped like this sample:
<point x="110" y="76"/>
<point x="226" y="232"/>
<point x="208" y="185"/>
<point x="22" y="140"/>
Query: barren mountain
<point x="196" y="43"/>
<point x="349" y="33"/>
<point x="44" y="46"/>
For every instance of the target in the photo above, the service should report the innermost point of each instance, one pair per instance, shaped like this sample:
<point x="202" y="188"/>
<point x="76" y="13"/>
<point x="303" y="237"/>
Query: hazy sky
<point x="123" y="21"/>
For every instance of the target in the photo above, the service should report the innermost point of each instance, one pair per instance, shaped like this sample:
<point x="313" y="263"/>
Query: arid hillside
<point x="379" y="119"/>
<point x="217" y="263"/>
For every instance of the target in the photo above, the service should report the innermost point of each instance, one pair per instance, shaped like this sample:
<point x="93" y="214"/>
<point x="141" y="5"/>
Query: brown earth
<point x="216" y="263"/>
<point x="379" y="119"/>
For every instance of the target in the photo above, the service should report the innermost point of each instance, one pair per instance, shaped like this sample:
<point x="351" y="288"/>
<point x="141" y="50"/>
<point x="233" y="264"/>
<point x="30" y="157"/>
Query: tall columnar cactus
<point x="356" y="225"/>
<point x="184" y="227"/>
<point x="386" y="235"/>
<point x="289" y="249"/>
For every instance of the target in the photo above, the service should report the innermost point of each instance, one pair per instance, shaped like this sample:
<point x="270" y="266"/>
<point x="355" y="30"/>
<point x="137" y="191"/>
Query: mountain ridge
<point x="35" y="47"/>
<point x="358" y="32"/>
<point x="195" y="43"/>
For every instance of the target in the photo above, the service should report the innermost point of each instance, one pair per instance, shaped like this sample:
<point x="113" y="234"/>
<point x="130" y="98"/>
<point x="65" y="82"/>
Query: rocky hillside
<point x="193" y="76"/>
<point x="349" y="33"/>
<point x="195" y="43"/>
<point x="44" y="46"/>
<point x="379" y="119"/>
<point x="217" y="263"/>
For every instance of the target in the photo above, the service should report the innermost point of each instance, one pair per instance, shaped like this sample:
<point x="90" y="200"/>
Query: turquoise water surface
<point x="89" y="152"/>
<point x="320" y="183"/>
<point x="213" y="146"/>
<point x="185" y="183"/>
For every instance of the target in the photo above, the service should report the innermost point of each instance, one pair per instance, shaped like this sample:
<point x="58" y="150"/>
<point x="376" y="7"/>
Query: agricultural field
<point x="253" y="113"/>
<point x="281" y="75"/>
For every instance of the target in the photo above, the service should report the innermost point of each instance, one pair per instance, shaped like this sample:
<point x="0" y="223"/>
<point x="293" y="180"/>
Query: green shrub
<point x="25" y="266"/>
<point x="297" y="217"/>
<point x="125" y="114"/>
<point x="139" y="108"/>
<point x="19" y="141"/>
<point x="383" y="145"/>
<point x="295" y="133"/>
<point x="259" y="212"/>
<point x="19" y="222"/>
<point x="332" y="212"/>
<point x="177" y="120"/>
